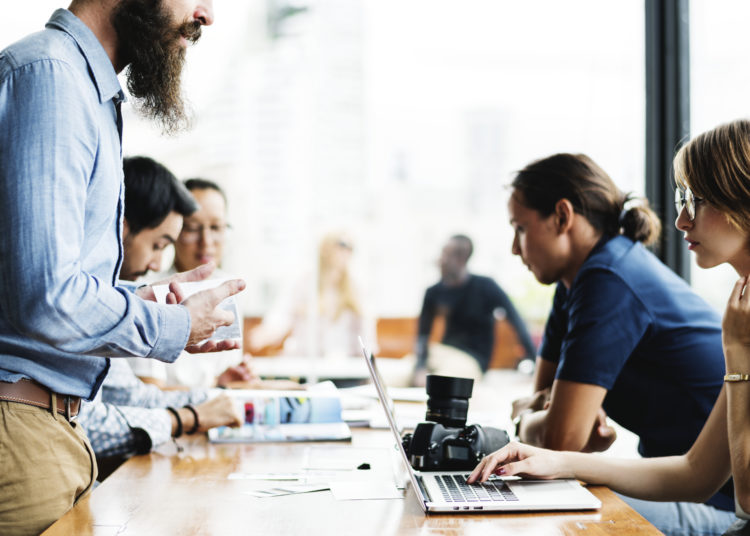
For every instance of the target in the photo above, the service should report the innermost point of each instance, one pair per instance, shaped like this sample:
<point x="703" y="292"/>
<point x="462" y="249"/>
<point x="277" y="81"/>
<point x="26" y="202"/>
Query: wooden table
<point x="189" y="493"/>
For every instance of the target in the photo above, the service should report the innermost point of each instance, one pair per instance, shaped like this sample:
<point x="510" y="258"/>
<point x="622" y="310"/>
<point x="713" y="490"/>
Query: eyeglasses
<point x="191" y="233"/>
<point x="686" y="198"/>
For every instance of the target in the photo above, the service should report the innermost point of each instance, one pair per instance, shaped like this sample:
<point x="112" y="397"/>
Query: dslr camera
<point x="444" y="442"/>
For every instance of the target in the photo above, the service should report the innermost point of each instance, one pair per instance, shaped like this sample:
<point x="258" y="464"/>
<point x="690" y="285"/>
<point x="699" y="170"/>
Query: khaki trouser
<point x="46" y="465"/>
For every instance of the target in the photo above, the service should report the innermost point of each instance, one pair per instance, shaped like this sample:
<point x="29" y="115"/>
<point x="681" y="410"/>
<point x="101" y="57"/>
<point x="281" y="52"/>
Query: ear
<point x="125" y="229"/>
<point x="564" y="215"/>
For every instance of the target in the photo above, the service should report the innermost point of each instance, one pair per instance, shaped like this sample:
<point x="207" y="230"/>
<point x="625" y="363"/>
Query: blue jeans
<point x="683" y="518"/>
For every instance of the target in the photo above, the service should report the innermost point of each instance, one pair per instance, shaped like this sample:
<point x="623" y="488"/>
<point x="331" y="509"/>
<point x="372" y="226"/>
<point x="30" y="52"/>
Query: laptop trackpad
<point x="545" y="491"/>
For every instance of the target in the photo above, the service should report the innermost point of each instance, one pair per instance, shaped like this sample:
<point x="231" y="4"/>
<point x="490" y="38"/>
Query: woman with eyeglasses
<point x="713" y="179"/>
<point x="322" y="312"/>
<point x="203" y="233"/>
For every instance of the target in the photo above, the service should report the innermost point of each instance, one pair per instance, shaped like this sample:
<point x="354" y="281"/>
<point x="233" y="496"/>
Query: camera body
<point x="444" y="442"/>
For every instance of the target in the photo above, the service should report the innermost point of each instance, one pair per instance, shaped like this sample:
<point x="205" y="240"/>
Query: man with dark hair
<point x="468" y="304"/>
<point x="62" y="312"/>
<point x="155" y="205"/>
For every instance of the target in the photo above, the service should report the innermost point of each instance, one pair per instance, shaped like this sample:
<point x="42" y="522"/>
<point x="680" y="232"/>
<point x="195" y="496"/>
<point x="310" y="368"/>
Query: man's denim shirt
<point x="61" y="208"/>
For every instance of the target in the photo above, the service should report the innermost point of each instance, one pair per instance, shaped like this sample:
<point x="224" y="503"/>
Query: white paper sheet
<point x="367" y="489"/>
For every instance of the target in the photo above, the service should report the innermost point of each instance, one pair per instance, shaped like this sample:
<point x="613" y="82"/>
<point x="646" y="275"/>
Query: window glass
<point x="719" y="82"/>
<point x="399" y="121"/>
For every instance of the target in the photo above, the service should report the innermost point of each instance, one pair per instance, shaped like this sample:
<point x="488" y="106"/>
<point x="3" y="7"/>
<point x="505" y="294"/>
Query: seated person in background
<point x="625" y="336"/>
<point x="200" y="241"/>
<point x="127" y="416"/>
<point x="319" y="316"/>
<point x="468" y="303"/>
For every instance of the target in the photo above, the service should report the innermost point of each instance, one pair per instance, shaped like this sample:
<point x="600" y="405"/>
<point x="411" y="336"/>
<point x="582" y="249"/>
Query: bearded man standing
<point x="62" y="313"/>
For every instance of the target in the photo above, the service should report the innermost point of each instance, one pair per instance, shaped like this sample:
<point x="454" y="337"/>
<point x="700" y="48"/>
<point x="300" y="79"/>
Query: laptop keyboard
<point x="455" y="489"/>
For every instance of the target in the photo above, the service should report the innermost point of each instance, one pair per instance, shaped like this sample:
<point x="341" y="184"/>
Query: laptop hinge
<point x="422" y="487"/>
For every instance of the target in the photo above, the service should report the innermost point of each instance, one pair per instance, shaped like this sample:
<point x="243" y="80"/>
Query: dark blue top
<point x="632" y="326"/>
<point x="469" y="318"/>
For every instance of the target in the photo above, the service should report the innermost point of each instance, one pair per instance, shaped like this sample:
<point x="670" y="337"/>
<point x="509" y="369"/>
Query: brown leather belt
<point x="34" y="394"/>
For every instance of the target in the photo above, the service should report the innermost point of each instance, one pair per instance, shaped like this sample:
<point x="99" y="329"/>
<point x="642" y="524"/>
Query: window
<point x="719" y="52"/>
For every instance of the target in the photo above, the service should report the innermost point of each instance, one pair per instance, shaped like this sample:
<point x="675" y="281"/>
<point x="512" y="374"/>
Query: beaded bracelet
<point x="195" y="416"/>
<point x="174" y="412"/>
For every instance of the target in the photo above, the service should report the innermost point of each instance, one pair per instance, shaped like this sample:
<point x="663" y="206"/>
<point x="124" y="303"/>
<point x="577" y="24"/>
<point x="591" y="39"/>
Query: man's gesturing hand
<point x="206" y="316"/>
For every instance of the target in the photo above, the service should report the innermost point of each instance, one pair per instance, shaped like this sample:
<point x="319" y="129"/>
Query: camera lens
<point x="448" y="399"/>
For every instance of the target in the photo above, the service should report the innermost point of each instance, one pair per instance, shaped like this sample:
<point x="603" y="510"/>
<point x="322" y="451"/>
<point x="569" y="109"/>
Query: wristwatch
<point x="517" y="422"/>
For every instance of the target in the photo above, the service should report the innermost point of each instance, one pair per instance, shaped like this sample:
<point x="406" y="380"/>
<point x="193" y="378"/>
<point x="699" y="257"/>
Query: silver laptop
<point x="448" y="491"/>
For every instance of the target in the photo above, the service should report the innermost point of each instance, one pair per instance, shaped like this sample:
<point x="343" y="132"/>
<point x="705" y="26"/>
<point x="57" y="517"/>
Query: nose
<point x="155" y="264"/>
<point x="682" y="222"/>
<point x="206" y="235"/>
<point x="515" y="248"/>
<point x="204" y="12"/>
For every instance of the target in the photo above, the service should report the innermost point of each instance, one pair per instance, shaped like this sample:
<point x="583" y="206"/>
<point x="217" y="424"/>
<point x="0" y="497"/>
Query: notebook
<point x="448" y="491"/>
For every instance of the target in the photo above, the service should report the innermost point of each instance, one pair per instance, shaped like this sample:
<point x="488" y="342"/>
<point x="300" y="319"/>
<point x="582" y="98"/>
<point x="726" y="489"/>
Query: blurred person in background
<point x="320" y="314"/>
<point x="469" y="305"/>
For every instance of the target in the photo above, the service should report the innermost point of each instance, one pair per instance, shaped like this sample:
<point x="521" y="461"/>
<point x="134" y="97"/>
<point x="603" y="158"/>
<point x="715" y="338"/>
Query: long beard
<point x="149" y="44"/>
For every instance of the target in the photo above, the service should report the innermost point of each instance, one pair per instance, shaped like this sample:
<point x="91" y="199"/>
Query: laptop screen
<point x="387" y="404"/>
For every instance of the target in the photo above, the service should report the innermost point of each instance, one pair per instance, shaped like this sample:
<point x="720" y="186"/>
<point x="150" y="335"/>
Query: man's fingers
<point x="176" y="289"/>
<point x="213" y="346"/>
<point x="224" y="318"/>
<point x="227" y="344"/>
<point x="171" y="298"/>
<point x="226" y="289"/>
<point x="202" y="348"/>
<point x="196" y="274"/>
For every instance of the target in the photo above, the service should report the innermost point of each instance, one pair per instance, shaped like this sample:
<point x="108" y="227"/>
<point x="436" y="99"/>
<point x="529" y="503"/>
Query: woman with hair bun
<point x="626" y="337"/>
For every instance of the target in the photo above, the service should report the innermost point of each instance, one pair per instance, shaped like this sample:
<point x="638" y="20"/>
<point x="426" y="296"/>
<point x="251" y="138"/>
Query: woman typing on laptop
<point x="625" y="336"/>
<point x="713" y="197"/>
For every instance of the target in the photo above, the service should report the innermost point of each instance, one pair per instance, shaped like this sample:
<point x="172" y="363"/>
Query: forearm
<point x="540" y="430"/>
<point x="120" y="430"/>
<point x="186" y="418"/>
<point x="738" y="423"/>
<point x="654" y="479"/>
<point x="544" y="374"/>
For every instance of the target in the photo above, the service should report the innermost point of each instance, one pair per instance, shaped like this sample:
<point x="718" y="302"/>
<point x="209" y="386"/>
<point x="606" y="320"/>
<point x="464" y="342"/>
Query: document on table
<point x="365" y="489"/>
<point x="289" y="489"/>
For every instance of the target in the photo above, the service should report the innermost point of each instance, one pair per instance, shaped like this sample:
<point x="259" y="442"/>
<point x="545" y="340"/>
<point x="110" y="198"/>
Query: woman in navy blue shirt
<point x="626" y="337"/>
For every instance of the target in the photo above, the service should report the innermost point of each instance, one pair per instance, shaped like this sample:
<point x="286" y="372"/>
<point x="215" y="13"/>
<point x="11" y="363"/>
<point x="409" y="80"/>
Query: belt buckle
<point x="68" y="416"/>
